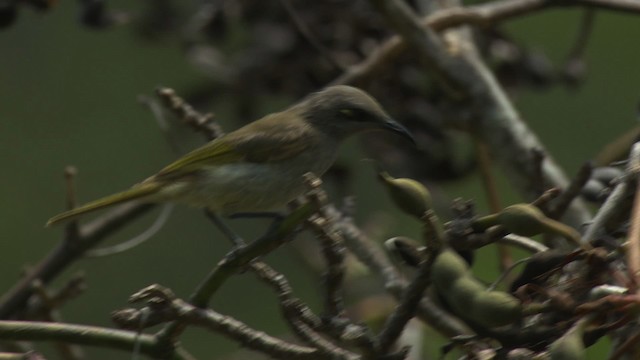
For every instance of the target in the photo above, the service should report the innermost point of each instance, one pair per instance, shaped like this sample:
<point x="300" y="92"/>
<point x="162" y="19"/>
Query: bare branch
<point x="633" y="252"/>
<point x="165" y="303"/>
<point x="65" y="254"/>
<point x="239" y="258"/>
<point x="309" y="36"/>
<point x="499" y="125"/>
<point x="571" y="192"/>
<point x="369" y="252"/>
<point x="78" y="334"/>
<point x="486" y="14"/>
<point x="202" y="123"/>
<point x="333" y="249"/>
<point x="407" y="309"/>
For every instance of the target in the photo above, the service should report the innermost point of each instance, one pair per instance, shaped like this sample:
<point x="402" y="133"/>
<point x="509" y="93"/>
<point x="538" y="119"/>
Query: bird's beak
<point x="396" y="127"/>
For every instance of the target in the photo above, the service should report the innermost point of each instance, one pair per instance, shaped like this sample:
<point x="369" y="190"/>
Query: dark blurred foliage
<point x="251" y="48"/>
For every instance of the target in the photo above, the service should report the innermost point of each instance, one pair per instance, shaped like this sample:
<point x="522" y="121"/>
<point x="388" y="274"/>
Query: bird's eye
<point x="348" y="113"/>
<point x="354" y="114"/>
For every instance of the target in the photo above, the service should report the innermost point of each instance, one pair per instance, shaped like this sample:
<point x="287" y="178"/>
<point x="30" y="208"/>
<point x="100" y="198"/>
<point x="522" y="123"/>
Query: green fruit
<point x="409" y="195"/>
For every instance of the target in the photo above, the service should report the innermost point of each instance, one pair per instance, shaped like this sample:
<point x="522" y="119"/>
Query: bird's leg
<point x="224" y="229"/>
<point x="235" y="238"/>
<point x="277" y="218"/>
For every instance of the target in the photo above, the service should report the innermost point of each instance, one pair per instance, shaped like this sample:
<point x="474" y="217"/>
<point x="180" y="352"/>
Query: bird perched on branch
<point x="260" y="166"/>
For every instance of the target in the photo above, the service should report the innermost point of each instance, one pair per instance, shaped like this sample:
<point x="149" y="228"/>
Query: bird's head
<point x="344" y="110"/>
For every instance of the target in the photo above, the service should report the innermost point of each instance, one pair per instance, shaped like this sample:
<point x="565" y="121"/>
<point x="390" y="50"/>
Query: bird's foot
<point x="258" y="215"/>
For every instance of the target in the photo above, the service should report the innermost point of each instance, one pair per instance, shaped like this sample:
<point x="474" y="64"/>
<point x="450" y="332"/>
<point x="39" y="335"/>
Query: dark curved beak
<point x="399" y="129"/>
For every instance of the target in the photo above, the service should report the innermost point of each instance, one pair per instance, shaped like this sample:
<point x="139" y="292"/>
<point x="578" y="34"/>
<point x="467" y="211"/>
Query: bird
<point x="260" y="166"/>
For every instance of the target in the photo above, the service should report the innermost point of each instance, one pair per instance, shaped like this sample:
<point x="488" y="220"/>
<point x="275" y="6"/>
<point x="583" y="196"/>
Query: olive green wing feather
<point x="217" y="152"/>
<point x="274" y="142"/>
<point x="263" y="141"/>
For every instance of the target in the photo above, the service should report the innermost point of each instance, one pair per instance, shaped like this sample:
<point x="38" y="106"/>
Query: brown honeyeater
<point x="260" y="166"/>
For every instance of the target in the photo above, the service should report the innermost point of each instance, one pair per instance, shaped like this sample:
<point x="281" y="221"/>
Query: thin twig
<point x="65" y="254"/>
<point x="236" y="260"/>
<point x="370" y="253"/>
<point x="309" y="35"/>
<point x="574" y="66"/>
<point x="609" y="207"/>
<point x="545" y="198"/>
<point x="435" y="239"/>
<point x="502" y="130"/>
<point x="335" y="321"/>
<point x="492" y="195"/>
<point x="628" y="346"/>
<point x="482" y="15"/>
<point x="159" y="114"/>
<point x="407" y="309"/>
<point x="199" y="122"/>
<point x="71" y="229"/>
<point x="49" y="312"/>
<point x="505" y="273"/>
<point x="54" y="299"/>
<point x="633" y="251"/>
<point x="426" y="43"/>
<point x="524" y="243"/>
<point x="573" y="191"/>
<point x="538" y="157"/>
<point x="284" y="291"/>
<point x="243" y="255"/>
<point x="488" y="13"/>
<point x="499" y="124"/>
<point x="627" y="6"/>
<point x="301" y="319"/>
<point x="333" y="249"/>
<point x="165" y="303"/>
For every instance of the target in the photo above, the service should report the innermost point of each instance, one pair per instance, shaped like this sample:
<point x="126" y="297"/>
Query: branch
<point x="333" y="249"/>
<point x="482" y="15"/>
<point x="80" y="334"/>
<point x="236" y="260"/>
<point x="369" y="253"/>
<point x="301" y="319"/>
<point x="575" y="65"/>
<point x="241" y="256"/>
<point x="164" y="304"/>
<point x="309" y="36"/>
<point x="612" y="205"/>
<point x="633" y="244"/>
<point x="411" y="298"/>
<point x="188" y="115"/>
<point x="508" y="137"/>
<point x="615" y="5"/>
<point x="48" y="305"/>
<point x="572" y="191"/>
<point x="413" y="294"/>
<point x="67" y="252"/>
<point x="523" y="243"/>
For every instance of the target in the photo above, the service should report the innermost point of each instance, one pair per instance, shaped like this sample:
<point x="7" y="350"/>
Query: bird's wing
<point x="217" y="151"/>
<point x="266" y="140"/>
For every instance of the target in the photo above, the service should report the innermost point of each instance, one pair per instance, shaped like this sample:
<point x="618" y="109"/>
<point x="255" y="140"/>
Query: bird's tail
<point x="135" y="193"/>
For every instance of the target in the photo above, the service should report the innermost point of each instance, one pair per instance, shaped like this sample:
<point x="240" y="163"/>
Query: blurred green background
<point x="68" y="95"/>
